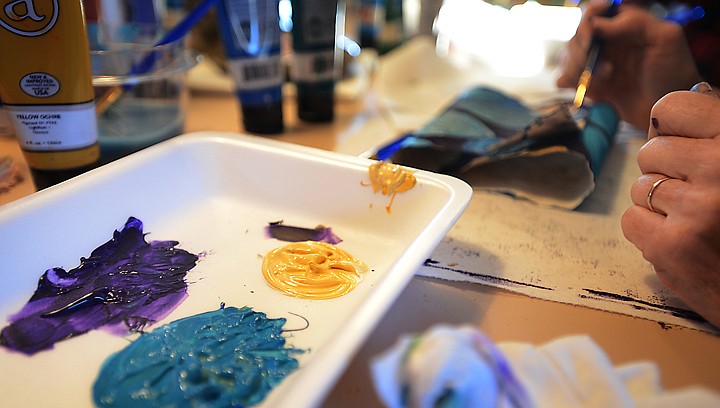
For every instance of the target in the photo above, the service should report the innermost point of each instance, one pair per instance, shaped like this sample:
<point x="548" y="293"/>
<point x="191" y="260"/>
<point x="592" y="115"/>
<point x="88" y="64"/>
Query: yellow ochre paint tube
<point x="46" y="86"/>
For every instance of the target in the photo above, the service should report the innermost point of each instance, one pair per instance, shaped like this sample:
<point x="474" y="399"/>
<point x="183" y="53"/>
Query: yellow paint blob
<point x="390" y="179"/>
<point x="312" y="270"/>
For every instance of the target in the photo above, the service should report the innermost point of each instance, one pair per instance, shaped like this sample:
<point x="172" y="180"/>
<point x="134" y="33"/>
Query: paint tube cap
<point x="315" y="106"/>
<point x="46" y="178"/>
<point x="264" y="119"/>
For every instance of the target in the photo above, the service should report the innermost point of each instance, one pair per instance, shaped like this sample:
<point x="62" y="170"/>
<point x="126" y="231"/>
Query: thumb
<point x="687" y="114"/>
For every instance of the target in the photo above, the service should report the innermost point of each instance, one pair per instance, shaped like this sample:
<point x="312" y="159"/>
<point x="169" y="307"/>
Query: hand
<point x="682" y="237"/>
<point x="643" y="59"/>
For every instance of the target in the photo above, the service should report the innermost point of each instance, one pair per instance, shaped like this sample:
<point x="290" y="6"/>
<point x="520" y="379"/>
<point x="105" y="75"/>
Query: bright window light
<point x="514" y="42"/>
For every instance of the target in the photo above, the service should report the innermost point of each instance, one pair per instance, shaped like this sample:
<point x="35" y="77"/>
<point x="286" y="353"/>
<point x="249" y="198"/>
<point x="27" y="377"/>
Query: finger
<point x="670" y="155"/>
<point x="687" y="114"/>
<point x="572" y="65"/>
<point x="576" y="52"/>
<point x="602" y="77"/>
<point x="595" y="8"/>
<point x="656" y="192"/>
<point x="639" y="225"/>
<point x="629" y="24"/>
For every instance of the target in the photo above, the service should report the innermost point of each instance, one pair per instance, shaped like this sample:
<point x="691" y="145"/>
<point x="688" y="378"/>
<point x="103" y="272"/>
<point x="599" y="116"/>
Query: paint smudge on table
<point x="390" y="179"/>
<point x="10" y="173"/>
<point x="288" y="233"/>
<point x="229" y="357"/>
<point x="124" y="285"/>
<point x="640" y="304"/>
<point x="312" y="270"/>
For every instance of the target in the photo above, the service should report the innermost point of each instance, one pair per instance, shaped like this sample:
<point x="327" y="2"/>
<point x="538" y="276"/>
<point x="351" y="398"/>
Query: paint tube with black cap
<point x="46" y="86"/>
<point x="250" y="33"/>
<point x="372" y="21"/>
<point x="315" y="58"/>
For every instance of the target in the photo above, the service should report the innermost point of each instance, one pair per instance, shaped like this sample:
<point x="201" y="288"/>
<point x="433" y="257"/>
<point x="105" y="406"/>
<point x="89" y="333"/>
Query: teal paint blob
<point x="229" y="357"/>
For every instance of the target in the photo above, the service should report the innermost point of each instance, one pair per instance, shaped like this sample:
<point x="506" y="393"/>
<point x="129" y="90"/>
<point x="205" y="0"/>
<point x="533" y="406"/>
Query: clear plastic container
<point x="140" y="94"/>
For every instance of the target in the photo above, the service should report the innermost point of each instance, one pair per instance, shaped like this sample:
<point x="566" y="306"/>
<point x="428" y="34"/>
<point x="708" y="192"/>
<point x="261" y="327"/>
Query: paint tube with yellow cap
<point x="46" y="86"/>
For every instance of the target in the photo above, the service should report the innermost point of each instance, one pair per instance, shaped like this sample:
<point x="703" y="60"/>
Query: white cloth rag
<point x="451" y="366"/>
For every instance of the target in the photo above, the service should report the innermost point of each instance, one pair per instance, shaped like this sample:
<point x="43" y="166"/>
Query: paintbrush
<point x="179" y="31"/>
<point x="594" y="54"/>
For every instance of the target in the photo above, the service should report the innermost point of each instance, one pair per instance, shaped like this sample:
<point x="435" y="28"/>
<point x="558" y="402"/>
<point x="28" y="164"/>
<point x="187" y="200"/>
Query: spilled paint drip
<point x="229" y="357"/>
<point x="390" y="179"/>
<point x="123" y="285"/>
<point x="288" y="233"/>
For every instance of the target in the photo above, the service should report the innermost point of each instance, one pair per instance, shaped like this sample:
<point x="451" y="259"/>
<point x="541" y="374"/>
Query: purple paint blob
<point x="124" y="285"/>
<point x="282" y="232"/>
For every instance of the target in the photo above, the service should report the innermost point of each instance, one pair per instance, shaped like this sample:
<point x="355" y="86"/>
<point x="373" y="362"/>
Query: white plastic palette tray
<point x="215" y="193"/>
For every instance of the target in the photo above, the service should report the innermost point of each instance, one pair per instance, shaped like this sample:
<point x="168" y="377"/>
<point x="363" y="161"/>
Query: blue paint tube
<point x="250" y="33"/>
<point x="314" y="57"/>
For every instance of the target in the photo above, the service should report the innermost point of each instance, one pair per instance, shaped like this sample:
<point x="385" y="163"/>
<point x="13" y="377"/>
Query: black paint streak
<point x="307" y="323"/>
<point x="640" y="304"/>
<point x="282" y="232"/>
<point x="487" y="278"/>
<point x="665" y="326"/>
